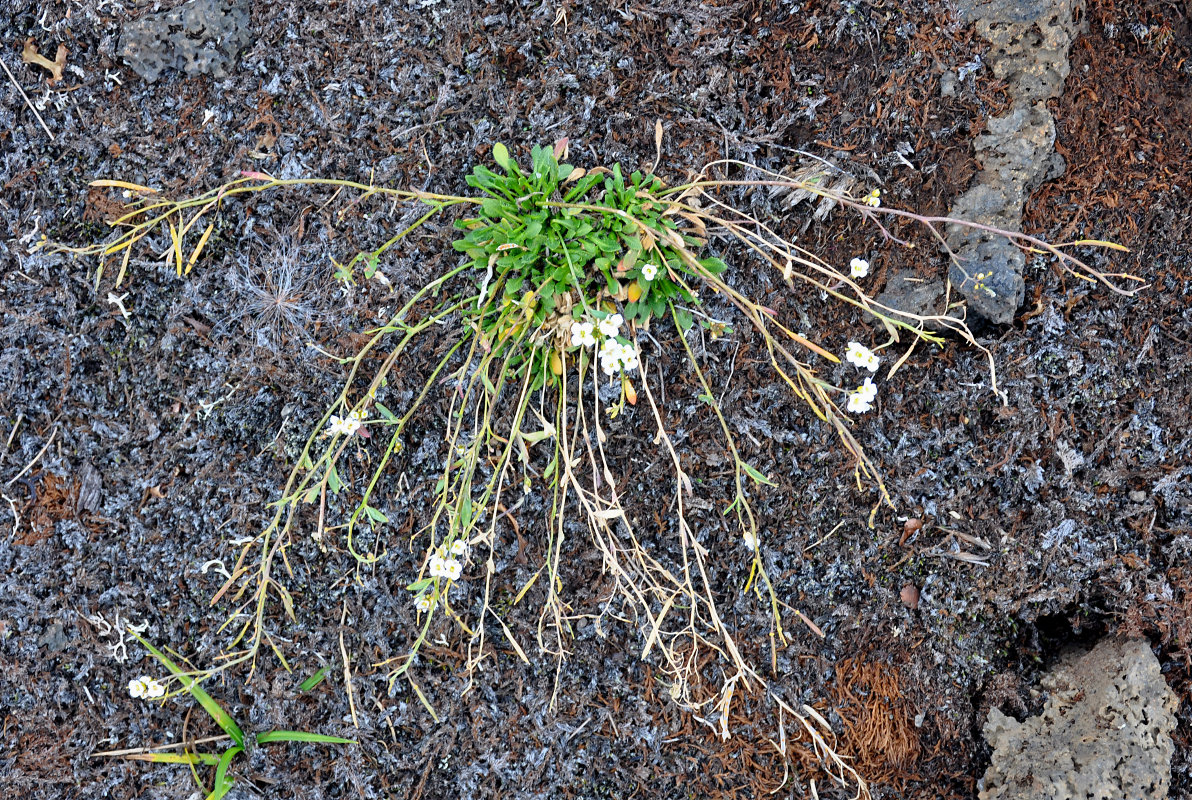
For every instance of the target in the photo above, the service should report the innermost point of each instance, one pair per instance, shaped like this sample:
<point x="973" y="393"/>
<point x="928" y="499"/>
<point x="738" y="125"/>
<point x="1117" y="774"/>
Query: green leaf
<point x="333" y="482"/>
<point x="713" y="265"/>
<point x="310" y="683"/>
<point x="223" y="784"/>
<point x="222" y="718"/>
<point x="300" y="736"/>
<point x="757" y="476"/>
<point x="418" y="586"/>
<point x="375" y="515"/>
<point x="683" y="319"/>
<point x="386" y="413"/>
<point x="493" y="208"/>
<point x="501" y="156"/>
<point x="206" y="759"/>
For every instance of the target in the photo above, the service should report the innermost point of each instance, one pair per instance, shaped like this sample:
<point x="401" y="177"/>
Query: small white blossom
<point x="861" y="356"/>
<point x="650" y="272"/>
<point x="458" y="548"/>
<point x="583" y="334"/>
<point x="750" y="539"/>
<point x="874" y="198"/>
<point x="861" y="399"/>
<point x="146" y="688"/>
<point x="452" y="569"/>
<point x="859" y="267"/>
<point x="610" y="325"/>
<point x="436" y="565"/>
<point x="345" y="426"/>
<point x="422" y="602"/>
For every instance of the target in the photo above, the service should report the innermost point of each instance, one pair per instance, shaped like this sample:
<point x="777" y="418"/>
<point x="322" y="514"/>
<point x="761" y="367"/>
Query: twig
<point x="25" y="97"/>
<point x="172" y="746"/>
<point x="343" y="651"/>
<point x="27" y="467"/>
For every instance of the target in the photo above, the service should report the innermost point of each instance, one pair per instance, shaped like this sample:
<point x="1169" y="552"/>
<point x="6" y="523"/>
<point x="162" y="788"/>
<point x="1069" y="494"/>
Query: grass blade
<point x="300" y="736"/>
<point x="313" y="680"/>
<point x="206" y="759"/>
<point x="223" y="784"/>
<point x="221" y="717"/>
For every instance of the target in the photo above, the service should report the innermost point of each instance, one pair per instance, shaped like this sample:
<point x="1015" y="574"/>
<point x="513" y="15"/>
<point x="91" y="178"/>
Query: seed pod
<point x="630" y="392"/>
<point x="909" y="529"/>
<point x="634" y="293"/>
<point x="556" y="363"/>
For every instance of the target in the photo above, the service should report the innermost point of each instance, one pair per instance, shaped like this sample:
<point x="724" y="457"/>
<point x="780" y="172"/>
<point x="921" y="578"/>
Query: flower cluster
<point x="346" y="426"/>
<point x="861" y="399"/>
<point x="859" y="267"/>
<point x="146" y="687"/>
<point x="423" y="603"/>
<point x="614" y="355"/>
<point x="874" y="198"/>
<point x="861" y="356"/>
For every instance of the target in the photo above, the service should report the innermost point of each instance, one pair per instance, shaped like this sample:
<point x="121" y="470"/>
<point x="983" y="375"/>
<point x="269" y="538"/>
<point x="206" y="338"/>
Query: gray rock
<point x="910" y="294"/>
<point x="1104" y="733"/>
<point x="203" y="37"/>
<point x="1029" y="44"/>
<point x="54" y="639"/>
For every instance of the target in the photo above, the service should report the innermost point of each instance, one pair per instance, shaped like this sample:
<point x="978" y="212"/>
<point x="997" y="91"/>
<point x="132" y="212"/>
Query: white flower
<point x="861" y="399"/>
<point x="422" y="602"/>
<point x="452" y="569"/>
<point x="874" y="198"/>
<point x="859" y="267"/>
<point x="458" y="548"/>
<point x="629" y="360"/>
<point x="436" y="566"/>
<point x="610" y="325"/>
<point x="610" y="357"/>
<point x="650" y="272"/>
<point x="146" y="687"/>
<point x="583" y="334"/>
<point x="750" y="539"/>
<point x="345" y="426"/>
<point x="615" y="357"/>
<point x="861" y="356"/>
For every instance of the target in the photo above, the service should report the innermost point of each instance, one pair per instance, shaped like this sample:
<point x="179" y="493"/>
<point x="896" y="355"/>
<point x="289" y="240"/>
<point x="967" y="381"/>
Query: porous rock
<point x="1104" y="733"/>
<point x="1029" y="44"/>
<point x="202" y="37"/>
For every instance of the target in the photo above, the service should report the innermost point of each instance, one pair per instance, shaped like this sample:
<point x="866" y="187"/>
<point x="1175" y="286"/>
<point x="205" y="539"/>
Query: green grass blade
<point x="313" y="680"/>
<point x="223" y="784"/>
<point x="300" y="736"/>
<point x="221" y="717"/>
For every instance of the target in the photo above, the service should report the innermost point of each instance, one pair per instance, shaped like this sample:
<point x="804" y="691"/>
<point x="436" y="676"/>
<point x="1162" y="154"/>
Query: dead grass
<point x="879" y="731"/>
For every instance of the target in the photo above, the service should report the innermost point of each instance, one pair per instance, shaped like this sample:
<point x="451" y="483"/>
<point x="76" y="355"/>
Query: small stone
<point x="1137" y="496"/>
<point x="202" y="37"/>
<point x="948" y="84"/>
<point x="910" y="596"/>
<point x="54" y="639"/>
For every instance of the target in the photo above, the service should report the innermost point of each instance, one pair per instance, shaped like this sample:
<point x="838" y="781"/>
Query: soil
<point x="138" y="448"/>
